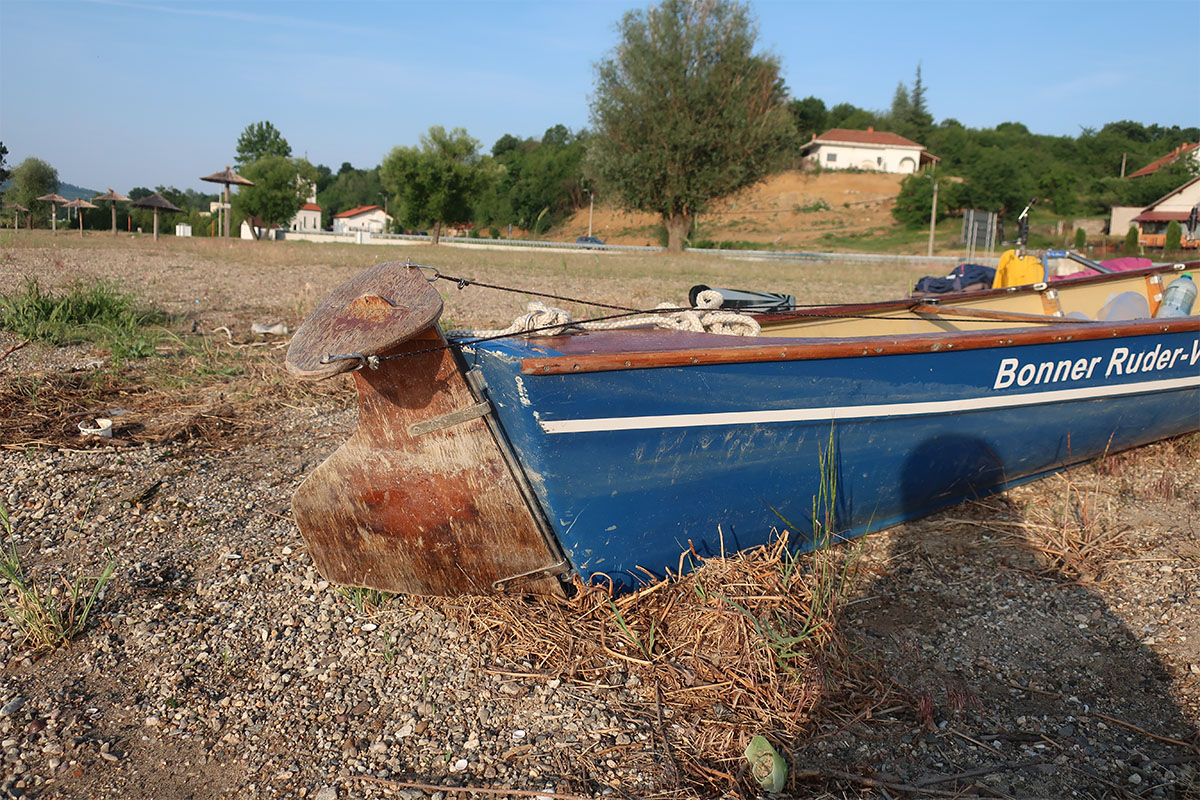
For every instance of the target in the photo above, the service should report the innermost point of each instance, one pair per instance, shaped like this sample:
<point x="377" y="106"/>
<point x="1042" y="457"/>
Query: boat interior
<point x="1090" y="298"/>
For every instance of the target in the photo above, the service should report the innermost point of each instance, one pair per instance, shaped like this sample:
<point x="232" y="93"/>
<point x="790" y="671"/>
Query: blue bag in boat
<point x="963" y="278"/>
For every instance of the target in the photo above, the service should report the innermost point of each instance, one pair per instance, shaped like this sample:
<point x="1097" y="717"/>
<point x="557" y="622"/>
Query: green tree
<point x="809" y="116"/>
<point x="259" y="140"/>
<point x="4" y="172"/>
<point x="1131" y="240"/>
<point x="435" y="183"/>
<point x="901" y="109"/>
<point x="684" y="111"/>
<point x="915" y="199"/>
<point x="1080" y="239"/>
<point x="281" y="187"/>
<point x="850" y="116"/>
<point x="539" y="184"/>
<point x="31" y="179"/>
<point x="1174" y="239"/>
<point x="350" y="189"/>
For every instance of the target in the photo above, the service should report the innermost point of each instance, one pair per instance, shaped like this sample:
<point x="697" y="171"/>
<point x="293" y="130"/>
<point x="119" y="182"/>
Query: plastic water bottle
<point x="1179" y="298"/>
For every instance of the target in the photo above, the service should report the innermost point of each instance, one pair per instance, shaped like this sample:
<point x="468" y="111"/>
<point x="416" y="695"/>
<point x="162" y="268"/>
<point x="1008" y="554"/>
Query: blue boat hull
<point x="633" y="467"/>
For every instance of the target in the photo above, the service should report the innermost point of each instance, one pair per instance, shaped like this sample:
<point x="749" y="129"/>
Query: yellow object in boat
<point x="1017" y="270"/>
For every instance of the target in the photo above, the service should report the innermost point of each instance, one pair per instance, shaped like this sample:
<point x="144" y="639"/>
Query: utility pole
<point x="932" y="216"/>
<point x="591" y="205"/>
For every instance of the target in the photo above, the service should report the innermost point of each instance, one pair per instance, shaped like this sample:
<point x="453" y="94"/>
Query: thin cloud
<point x="238" y="16"/>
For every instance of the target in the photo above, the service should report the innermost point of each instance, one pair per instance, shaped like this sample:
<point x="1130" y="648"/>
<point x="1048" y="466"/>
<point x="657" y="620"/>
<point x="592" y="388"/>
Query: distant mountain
<point x="67" y="190"/>
<point x="71" y="191"/>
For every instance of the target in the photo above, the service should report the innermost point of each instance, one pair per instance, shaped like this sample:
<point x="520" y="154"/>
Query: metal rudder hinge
<point x="449" y="420"/>
<point x="561" y="568"/>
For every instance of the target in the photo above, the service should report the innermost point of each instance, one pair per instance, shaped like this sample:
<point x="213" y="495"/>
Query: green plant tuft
<point x="85" y="311"/>
<point x="46" y="618"/>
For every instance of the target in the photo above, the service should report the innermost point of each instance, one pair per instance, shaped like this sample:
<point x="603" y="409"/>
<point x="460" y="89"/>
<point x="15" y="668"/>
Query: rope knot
<point x="543" y="320"/>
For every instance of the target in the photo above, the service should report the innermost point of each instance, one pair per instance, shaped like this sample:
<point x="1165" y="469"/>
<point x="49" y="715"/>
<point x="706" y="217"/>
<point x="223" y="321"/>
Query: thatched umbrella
<point x="79" y="204"/>
<point x="113" y="198"/>
<point x="227" y="177"/>
<point x="157" y="202"/>
<point x="17" y="209"/>
<point x="53" y="199"/>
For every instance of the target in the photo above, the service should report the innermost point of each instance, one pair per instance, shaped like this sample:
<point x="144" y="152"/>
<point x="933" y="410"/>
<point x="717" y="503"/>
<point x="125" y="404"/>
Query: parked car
<point x="589" y="240"/>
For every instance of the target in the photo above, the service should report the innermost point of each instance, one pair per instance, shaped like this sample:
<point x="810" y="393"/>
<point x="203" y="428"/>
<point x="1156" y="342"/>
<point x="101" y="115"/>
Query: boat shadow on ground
<point x="1018" y="675"/>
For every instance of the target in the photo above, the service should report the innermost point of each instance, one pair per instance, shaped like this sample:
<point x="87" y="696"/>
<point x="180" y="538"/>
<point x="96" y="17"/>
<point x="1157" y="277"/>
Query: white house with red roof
<point x="1175" y="206"/>
<point x="842" y="148"/>
<point x="1152" y="220"/>
<point x="308" y="218"/>
<point x="1185" y="150"/>
<point x="371" y="219"/>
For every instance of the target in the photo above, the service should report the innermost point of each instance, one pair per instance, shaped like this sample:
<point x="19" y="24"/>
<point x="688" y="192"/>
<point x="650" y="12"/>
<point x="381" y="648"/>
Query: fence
<point x="403" y="239"/>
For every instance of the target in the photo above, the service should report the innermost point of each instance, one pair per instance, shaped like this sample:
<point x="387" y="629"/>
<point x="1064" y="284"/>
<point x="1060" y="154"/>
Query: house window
<point x="830" y="158"/>
<point x="879" y="161"/>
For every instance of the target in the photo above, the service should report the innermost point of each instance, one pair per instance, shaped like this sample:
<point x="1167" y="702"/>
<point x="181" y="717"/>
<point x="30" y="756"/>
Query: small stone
<point x="326" y="793"/>
<point x="1135" y="779"/>
<point x="12" y="706"/>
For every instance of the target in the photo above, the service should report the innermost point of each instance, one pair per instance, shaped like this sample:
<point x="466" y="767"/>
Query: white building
<point x="371" y="219"/>
<point x="1152" y="221"/>
<point x="308" y="218"/>
<point x="841" y="148"/>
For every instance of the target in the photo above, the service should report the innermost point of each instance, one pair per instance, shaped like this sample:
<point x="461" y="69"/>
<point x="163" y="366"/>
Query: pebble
<point x="252" y="664"/>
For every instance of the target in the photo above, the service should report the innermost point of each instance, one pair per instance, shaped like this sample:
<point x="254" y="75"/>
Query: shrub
<point x="494" y="231"/>
<point x="1131" y="240"/>
<point x="817" y="205"/>
<point x="1080" y="238"/>
<point x="1174" y="240"/>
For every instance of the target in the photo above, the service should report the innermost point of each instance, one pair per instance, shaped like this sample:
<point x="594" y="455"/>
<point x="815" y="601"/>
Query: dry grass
<point x="745" y="645"/>
<point x="1090" y="522"/>
<point x="204" y="388"/>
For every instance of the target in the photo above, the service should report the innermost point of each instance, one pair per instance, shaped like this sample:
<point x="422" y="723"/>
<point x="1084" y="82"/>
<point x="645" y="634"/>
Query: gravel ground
<point x="220" y="665"/>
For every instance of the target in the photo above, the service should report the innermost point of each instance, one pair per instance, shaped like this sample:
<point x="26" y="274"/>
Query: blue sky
<point x="124" y="94"/>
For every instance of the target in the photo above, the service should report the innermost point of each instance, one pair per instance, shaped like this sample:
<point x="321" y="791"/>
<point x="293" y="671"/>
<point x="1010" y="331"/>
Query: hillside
<point x="68" y="190"/>
<point x="790" y="209"/>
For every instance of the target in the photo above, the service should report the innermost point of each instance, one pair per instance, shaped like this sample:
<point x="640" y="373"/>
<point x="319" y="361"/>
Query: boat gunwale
<point x="966" y="298"/>
<point x="607" y="355"/>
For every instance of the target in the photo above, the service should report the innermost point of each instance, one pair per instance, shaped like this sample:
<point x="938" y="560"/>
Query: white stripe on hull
<point x="860" y="412"/>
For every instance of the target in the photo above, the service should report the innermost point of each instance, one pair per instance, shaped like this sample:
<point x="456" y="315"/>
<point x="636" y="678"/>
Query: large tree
<point x="281" y="186"/>
<point x="259" y="140"/>
<point x="685" y="111"/>
<point x="4" y="173"/>
<point x="436" y="182"/>
<point x="31" y="179"/>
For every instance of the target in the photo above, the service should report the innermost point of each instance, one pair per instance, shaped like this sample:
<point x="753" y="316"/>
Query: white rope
<point x="705" y="318"/>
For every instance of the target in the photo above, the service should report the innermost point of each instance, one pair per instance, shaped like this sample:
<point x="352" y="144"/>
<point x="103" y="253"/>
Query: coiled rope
<point x="707" y="317"/>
